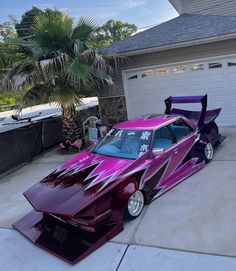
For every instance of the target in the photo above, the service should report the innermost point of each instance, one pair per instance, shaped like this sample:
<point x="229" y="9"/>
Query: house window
<point x="197" y="67"/>
<point x="179" y="68"/>
<point x="162" y="71"/>
<point x="231" y="64"/>
<point x="135" y="76"/>
<point x="147" y="73"/>
<point x="215" y="65"/>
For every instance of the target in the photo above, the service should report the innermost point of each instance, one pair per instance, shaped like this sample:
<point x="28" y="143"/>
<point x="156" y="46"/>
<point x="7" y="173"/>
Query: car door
<point x="185" y="139"/>
<point x="177" y="139"/>
<point x="158" y="168"/>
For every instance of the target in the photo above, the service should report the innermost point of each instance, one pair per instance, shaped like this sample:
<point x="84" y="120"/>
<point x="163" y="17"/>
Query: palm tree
<point x="59" y="56"/>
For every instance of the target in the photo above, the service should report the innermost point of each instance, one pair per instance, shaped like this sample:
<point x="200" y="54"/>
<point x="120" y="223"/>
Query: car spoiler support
<point x="188" y="99"/>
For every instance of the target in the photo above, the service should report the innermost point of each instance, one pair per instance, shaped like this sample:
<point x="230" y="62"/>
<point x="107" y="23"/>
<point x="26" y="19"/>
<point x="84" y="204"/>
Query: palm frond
<point x="81" y="73"/>
<point x="50" y="67"/>
<point x="19" y="76"/>
<point x="66" y="96"/>
<point x="60" y="55"/>
<point x="52" y="30"/>
<point x="79" y="47"/>
<point x="103" y="79"/>
<point x="87" y="56"/>
<point x="37" y="94"/>
<point x="117" y="61"/>
<point x="37" y="51"/>
<point x="101" y="64"/>
<point x="18" y="42"/>
<point x="85" y="27"/>
<point x="98" y="61"/>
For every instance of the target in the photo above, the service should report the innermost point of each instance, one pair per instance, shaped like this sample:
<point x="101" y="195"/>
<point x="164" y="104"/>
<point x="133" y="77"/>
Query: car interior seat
<point x="180" y="131"/>
<point x="162" y="139"/>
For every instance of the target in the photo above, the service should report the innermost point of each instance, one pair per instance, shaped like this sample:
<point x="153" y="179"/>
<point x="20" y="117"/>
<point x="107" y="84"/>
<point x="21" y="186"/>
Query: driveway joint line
<point x="118" y="266"/>
<point x="185" y="250"/>
<point x="137" y="226"/>
<point x="220" y="160"/>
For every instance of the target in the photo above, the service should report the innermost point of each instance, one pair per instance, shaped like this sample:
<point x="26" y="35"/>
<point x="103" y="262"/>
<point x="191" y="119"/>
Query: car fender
<point x="127" y="188"/>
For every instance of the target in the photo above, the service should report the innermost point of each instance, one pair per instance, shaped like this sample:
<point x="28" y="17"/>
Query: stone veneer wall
<point x="112" y="109"/>
<point x="112" y="104"/>
<point x="83" y="114"/>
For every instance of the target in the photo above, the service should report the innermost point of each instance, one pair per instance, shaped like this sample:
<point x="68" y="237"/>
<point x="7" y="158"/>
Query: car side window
<point x="162" y="138"/>
<point x="180" y="129"/>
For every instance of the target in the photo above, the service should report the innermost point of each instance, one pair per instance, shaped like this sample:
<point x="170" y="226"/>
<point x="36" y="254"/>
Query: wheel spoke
<point x="135" y="203"/>
<point x="209" y="152"/>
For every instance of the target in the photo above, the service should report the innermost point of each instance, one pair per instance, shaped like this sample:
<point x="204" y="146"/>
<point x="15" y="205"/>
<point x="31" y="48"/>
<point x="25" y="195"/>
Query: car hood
<point x="71" y="187"/>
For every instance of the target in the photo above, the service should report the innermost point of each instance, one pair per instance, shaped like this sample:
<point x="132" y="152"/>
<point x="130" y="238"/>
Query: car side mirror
<point x="158" y="151"/>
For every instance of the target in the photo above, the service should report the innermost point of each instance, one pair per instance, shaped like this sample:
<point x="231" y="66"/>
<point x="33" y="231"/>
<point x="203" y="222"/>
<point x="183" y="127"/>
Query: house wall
<point x="216" y="7"/>
<point x="112" y="101"/>
<point x="178" y="5"/>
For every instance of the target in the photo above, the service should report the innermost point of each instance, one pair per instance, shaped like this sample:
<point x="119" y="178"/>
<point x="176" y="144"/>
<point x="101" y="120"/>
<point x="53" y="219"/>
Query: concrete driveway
<point x="192" y="227"/>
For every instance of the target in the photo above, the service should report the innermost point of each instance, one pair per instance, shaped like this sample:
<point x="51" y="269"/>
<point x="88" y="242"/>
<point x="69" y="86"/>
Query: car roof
<point x="151" y="121"/>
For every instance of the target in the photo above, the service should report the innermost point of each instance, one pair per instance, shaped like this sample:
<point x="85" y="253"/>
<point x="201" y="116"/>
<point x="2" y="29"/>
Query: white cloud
<point x="63" y="9"/>
<point x="45" y="5"/>
<point x="97" y="12"/>
<point x="107" y="12"/>
<point x="134" y="3"/>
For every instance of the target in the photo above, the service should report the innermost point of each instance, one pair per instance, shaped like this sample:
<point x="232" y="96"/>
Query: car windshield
<point x="129" y="144"/>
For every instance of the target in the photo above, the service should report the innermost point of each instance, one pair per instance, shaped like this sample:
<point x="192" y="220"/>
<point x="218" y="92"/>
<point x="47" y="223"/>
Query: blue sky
<point x="141" y="12"/>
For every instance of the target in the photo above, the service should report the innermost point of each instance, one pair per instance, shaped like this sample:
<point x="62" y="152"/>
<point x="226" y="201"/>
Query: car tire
<point x="134" y="205"/>
<point x="208" y="152"/>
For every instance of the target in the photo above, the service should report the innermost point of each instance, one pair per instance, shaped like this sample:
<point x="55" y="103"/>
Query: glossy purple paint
<point x="80" y="206"/>
<point x="63" y="194"/>
<point x="199" y="118"/>
<point x="143" y="123"/>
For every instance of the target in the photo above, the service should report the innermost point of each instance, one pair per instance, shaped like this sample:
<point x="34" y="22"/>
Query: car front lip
<point x="83" y="223"/>
<point x="74" y="246"/>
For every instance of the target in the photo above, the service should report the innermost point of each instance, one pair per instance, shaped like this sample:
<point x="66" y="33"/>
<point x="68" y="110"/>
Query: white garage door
<point x="146" y="89"/>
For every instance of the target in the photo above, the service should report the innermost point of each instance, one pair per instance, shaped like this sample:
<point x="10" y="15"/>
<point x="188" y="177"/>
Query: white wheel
<point x="135" y="205"/>
<point x="209" y="152"/>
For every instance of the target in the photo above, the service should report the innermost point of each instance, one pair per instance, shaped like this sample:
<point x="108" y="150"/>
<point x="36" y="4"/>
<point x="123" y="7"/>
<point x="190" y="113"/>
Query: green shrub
<point x="9" y="99"/>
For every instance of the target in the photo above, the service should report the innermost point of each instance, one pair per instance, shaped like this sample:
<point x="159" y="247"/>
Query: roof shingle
<point x="186" y="27"/>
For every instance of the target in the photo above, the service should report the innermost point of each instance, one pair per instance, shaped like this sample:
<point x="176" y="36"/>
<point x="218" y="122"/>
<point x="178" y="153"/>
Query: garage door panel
<point x="162" y="79"/>
<point x="146" y="95"/>
<point x="159" y="84"/>
<point x="197" y="82"/>
<point x="232" y="91"/>
<point x="215" y="92"/>
<point x="181" y="85"/>
<point x="199" y="90"/>
<point x="217" y="78"/>
<point x="135" y="84"/>
<point x="231" y="76"/>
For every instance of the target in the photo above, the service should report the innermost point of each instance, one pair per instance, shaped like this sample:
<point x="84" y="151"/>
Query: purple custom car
<point x="81" y="205"/>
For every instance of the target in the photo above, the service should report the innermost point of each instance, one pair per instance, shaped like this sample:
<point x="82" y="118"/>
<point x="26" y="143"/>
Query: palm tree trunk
<point x="71" y="131"/>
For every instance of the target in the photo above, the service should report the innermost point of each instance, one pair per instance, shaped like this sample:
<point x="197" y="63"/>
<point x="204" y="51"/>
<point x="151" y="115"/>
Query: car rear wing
<point x="201" y="117"/>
